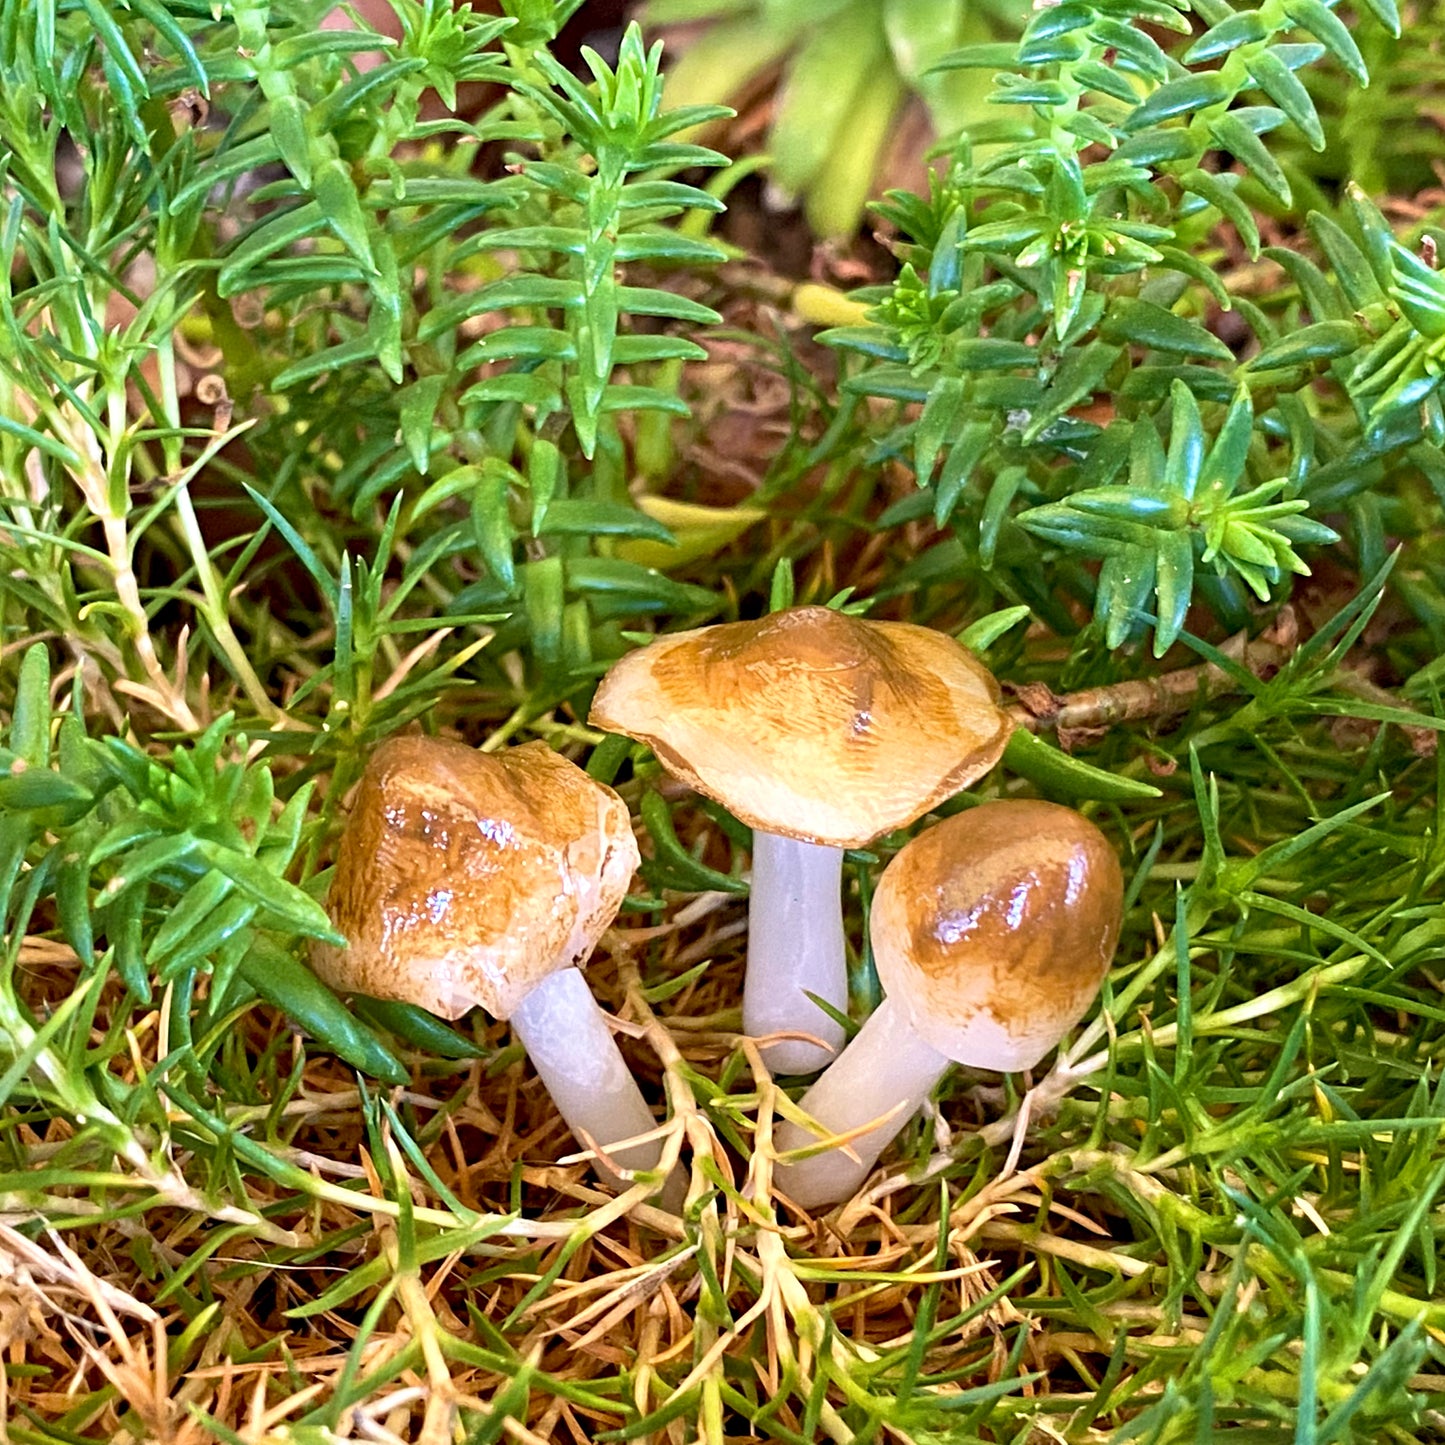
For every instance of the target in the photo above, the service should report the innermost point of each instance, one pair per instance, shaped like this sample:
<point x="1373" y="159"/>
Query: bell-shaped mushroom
<point x="466" y="878"/>
<point x="821" y="731"/>
<point x="992" y="933"/>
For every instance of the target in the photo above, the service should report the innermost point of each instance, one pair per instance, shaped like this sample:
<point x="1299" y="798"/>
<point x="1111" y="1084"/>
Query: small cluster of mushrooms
<point x="466" y="878"/>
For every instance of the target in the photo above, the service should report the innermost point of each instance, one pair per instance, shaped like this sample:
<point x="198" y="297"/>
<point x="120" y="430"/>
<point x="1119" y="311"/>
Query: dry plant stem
<point x="567" y="1039"/>
<point x="795" y="948"/>
<point x="440" y="1408"/>
<point x="885" y="1074"/>
<point x="1121" y="702"/>
<point x="687" y="1119"/>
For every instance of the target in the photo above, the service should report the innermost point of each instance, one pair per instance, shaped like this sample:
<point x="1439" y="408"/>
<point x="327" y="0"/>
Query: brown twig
<point x="1039" y="710"/>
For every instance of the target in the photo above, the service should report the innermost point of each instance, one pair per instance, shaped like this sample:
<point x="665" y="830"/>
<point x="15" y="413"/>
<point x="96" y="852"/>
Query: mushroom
<point x="992" y="932"/>
<point x="821" y="731"/>
<point x="466" y="878"/>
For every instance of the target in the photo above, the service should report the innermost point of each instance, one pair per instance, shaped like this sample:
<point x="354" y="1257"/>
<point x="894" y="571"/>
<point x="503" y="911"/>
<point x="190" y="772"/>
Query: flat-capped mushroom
<point x="466" y="878"/>
<point x="992" y="933"/>
<point x="821" y="731"/>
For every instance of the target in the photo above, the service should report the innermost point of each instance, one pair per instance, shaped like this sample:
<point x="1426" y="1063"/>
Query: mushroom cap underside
<point x="464" y="878"/>
<point x="995" y="929"/>
<point x="811" y="723"/>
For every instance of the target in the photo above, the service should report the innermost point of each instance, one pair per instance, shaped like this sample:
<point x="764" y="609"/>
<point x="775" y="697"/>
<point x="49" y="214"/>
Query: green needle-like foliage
<point x="1060" y="259"/>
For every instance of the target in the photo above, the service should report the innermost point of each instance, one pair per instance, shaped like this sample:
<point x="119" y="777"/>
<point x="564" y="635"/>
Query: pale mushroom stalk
<point x="992" y="932"/>
<point x="567" y="1039"/>
<point x="888" y="1070"/>
<point x="795" y="948"/>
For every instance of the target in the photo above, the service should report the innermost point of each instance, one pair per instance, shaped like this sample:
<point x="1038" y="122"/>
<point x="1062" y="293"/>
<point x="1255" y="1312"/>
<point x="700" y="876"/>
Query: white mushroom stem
<point x="886" y="1070"/>
<point x="567" y="1039"/>
<point x="795" y="947"/>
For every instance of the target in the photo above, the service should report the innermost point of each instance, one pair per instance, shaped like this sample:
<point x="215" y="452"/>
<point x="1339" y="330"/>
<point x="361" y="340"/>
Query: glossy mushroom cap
<point x="995" y="929"/>
<point x="465" y="878"/>
<point x="810" y="723"/>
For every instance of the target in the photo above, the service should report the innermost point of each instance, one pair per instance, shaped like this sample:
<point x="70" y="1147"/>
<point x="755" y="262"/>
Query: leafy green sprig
<point x="262" y="206"/>
<point x="1046" y="323"/>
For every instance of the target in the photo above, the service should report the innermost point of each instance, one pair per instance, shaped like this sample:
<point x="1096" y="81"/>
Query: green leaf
<point x="649" y="301"/>
<point x="1331" y="32"/>
<point x="783" y="591"/>
<point x="39" y="787"/>
<point x="1186" y="442"/>
<point x="1319" y="296"/>
<point x="528" y="389"/>
<point x="1286" y="90"/>
<point x="1134" y="47"/>
<point x="1241" y="28"/>
<point x="286" y="902"/>
<point x="1096" y="76"/>
<point x="959" y="466"/>
<point x="417" y="1028"/>
<point x="492" y="521"/>
<point x="341" y="210"/>
<point x="523" y="343"/>
<point x="1001" y="494"/>
<point x="545" y="293"/>
<point x="29" y="737"/>
<point x="997" y="55"/>
<point x="619" y="589"/>
<point x="1353" y="269"/>
<point x="298" y="544"/>
<point x="981" y="635"/>
<point x="73" y="906"/>
<point x="1234" y="136"/>
<point x="671" y="864"/>
<point x="1386" y="12"/>
<point x="935" y="423"/>
<point x="418" y="411"/>
<point x="1056" y="772"/>
<point x="276" y="233"/>
<point x="1142" y="323"/>
<point x="667" y="246"/>
<point x="1174" y="587"/>
<point x="546" y="474"/>
<point x="357" y="353"/>
<point x="1220" y="192"/>
<point x="45" y="443"/>
<point x="1323" y="341"/>
<point x="1062" y="19"/>
<point x="285" y="983"/>
<point x="1180" y="97"/>
<point x="582" y="517"/>
<point x="1420" y="290"/>
<point x="1225" y="465"/>
<point x="116" y="49"/>
<point x="988" y="353"/>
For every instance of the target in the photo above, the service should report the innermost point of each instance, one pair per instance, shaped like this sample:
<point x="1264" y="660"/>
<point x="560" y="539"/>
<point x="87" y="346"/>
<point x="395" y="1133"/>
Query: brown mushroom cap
<point x="465" y="878"/>
<point x="811" y="723"/>
<point x="996" y="928"/>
